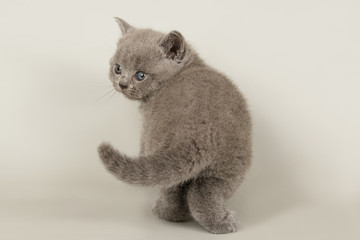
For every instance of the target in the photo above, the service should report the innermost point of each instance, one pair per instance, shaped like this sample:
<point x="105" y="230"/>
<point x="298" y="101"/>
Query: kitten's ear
<point x="124" y="26"/>
<point x="173" y="45"/>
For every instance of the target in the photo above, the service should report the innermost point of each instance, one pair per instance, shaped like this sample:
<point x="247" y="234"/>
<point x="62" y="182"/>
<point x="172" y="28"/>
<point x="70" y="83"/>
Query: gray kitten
<point x="196" y="138"/>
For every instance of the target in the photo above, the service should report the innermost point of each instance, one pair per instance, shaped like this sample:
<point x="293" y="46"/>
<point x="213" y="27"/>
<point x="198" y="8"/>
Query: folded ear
<point x="173" y="45"/>
<point x="124" y="26"/>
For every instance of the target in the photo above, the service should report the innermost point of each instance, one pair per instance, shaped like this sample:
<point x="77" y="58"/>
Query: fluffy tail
<point x="166" y="167"/>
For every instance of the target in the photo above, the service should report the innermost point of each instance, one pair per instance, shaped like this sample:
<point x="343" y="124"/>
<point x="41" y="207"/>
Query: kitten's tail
<point x="166" y="167"/>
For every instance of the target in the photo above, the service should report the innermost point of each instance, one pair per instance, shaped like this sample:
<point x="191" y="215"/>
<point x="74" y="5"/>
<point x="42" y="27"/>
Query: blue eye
<point x="117" y="69"/>
<point x="140" y="76"/>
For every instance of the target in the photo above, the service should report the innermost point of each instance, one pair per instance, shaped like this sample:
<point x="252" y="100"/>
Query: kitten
<point x="196" y="138"/>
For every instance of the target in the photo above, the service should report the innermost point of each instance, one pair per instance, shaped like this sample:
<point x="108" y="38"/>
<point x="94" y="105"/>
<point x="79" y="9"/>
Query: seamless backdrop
<point x="297" y="63"/>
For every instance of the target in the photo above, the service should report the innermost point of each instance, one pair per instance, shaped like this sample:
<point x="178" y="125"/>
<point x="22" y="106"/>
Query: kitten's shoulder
<point x="205" y="78"/>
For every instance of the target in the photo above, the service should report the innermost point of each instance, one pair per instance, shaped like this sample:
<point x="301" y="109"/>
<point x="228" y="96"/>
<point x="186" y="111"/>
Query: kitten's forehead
<point x="139" y="49"/>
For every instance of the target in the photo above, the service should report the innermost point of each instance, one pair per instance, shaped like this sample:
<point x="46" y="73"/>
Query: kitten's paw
<point x="228" y="224"/>
<point x="170" y="212"/>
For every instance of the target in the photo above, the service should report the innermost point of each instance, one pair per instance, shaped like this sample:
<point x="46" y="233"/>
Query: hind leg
<point x="171" y="204"/>
<point x="206" y="199"/>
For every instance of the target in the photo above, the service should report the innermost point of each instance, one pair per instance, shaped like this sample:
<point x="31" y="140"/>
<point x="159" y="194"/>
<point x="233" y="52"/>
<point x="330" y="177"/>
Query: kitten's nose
<point x="122" y="86"/>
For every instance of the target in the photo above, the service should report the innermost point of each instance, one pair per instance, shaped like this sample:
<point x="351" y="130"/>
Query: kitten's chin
<point x="130" y="96"/>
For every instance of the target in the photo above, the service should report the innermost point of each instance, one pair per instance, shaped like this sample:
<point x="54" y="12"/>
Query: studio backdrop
<point x="296" y="62"/>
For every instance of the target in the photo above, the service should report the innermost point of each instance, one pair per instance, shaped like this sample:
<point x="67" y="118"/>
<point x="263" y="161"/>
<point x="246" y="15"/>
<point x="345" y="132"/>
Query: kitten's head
<point x="145" y="59"/>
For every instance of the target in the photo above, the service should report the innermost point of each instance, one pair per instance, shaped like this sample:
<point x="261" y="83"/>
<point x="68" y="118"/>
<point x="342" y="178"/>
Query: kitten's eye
<point x="140" y="76"/>
<point x="117" y="69"/>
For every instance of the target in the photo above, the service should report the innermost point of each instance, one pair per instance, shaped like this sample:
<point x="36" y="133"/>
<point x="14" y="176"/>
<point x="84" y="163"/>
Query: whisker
<point x="105" y="94"/>
<point x="112" y="95"/>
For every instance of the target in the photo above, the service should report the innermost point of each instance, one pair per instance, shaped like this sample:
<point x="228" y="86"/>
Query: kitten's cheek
<point x="154" y="85"/>
<point x="116" y="87"/>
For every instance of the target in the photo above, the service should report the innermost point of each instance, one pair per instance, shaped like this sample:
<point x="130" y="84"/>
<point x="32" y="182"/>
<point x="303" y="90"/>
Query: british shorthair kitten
<point x="196" y="137"/>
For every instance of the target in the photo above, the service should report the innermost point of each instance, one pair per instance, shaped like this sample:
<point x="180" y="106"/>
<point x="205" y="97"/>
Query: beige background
<point x="297" y="62"/>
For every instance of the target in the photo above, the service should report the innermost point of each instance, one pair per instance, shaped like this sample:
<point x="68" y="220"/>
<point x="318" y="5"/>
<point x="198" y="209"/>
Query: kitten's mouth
<point x="128" y="92"/>
<point x="117" y="88"/>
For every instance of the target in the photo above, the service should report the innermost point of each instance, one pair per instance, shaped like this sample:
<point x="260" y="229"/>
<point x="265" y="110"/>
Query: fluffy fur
<point x="196" y="138"/>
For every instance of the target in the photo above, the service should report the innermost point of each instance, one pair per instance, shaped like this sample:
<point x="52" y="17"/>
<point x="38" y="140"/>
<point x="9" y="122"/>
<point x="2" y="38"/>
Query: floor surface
<point x="87" y="214"/>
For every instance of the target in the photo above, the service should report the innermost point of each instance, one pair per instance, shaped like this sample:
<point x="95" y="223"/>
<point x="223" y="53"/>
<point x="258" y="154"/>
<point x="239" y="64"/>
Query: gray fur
<point x="196" y="138"/>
